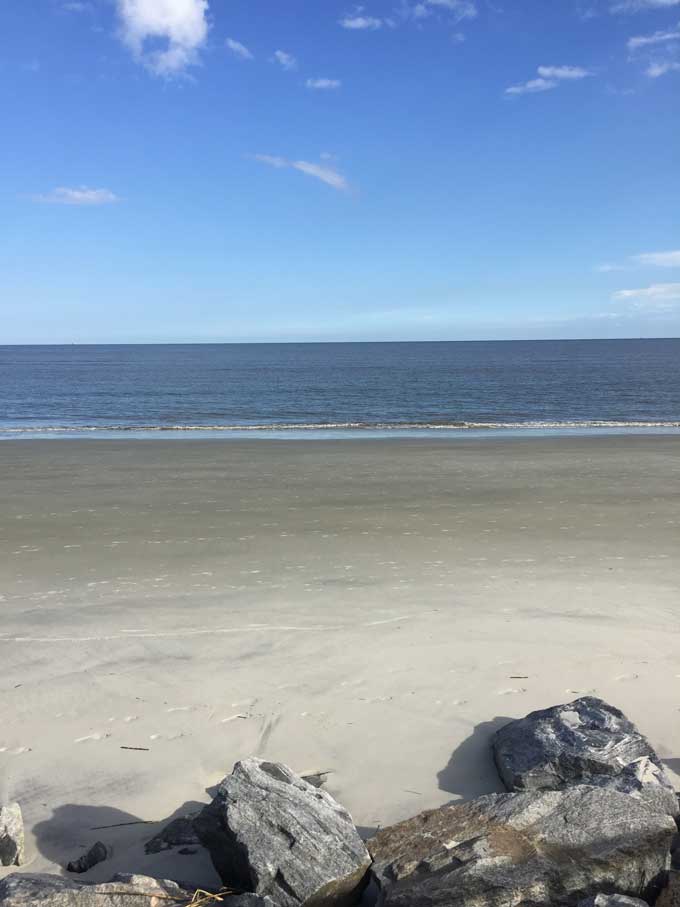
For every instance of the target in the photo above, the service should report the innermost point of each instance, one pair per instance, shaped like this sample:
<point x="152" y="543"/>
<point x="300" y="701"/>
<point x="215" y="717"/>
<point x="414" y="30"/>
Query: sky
<point x="240" y="170"/>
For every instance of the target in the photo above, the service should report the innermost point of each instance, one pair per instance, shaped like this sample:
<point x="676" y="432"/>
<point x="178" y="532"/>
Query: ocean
<point x="339" y="389"/>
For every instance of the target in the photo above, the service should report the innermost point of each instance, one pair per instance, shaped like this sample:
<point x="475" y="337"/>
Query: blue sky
<point x="223" y="170"/>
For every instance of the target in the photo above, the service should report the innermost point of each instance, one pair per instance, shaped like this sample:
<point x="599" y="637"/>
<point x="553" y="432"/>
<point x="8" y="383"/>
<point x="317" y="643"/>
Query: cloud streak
<point x="181" y="24"/>
<point x="81" y="195"/>
<point x="323" y="84"/>
<point x="327" y="174"/>
<point x="638" y="6"/>
<point x="549" y="77"/>
<point x="459" y="9"/>
<point x="361" y="23"/>
<point x="286" y="61"/>
<point x="665" y="259"/>
<point x="659" y="259"/>
<point x="238" y="50"/>
<point x="659" y="37"/>
<point x="658" y="297"/>
<point x="655" y="70"/>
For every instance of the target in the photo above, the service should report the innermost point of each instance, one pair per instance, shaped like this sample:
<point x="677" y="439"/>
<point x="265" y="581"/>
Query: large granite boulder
<point x="586" y="741"/>
<point x="537" y="848"/>
<point x="272" y="833"/>
<point x="11" y="835"/>
<point x="37" y="890"/>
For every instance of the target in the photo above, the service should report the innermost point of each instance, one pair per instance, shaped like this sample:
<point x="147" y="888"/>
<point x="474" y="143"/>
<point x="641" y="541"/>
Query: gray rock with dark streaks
<point x="38" y="890"/>
<point x="271" y="833"/>
<point x="96" y="854"/>
<point x="247" y="900"/>
<point x="539" y="847"/>
<point x="586" y="741"/>
<point x="178" y="833"/>
<point x="612" y="900"/>
<point x="11" y="835"/>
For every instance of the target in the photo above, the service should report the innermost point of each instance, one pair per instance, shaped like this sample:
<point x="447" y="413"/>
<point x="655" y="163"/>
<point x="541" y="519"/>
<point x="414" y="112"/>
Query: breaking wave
<point x="443" y="426"/>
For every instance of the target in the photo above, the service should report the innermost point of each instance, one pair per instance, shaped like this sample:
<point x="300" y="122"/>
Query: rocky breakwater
<point x="589" y="820"/>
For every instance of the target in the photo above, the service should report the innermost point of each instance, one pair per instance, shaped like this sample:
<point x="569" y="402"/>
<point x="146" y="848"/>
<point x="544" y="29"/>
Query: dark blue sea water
<point x="358" y="388"/>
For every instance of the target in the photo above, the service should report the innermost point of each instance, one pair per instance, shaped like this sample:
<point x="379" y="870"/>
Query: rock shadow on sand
<point x="73" y="828"/>
<point x="471" y="771"/>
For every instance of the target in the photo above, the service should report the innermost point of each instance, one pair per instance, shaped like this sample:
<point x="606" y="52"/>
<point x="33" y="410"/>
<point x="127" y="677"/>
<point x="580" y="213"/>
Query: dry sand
<point x="369" y="608"/>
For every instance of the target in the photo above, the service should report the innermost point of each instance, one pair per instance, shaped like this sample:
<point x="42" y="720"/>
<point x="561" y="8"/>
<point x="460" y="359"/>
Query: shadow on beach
<point x="471" y="772"/>
<point x="73" y="828"/>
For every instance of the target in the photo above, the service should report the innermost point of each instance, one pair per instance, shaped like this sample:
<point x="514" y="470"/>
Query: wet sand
<point x="369" y="608"/>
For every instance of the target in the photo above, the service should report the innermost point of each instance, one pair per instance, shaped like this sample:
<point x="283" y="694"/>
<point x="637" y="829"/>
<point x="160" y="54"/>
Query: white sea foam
<point x="442" y="426"/>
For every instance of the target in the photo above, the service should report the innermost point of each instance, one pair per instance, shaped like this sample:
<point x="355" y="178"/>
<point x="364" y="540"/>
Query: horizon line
<point x="329" y="342"/>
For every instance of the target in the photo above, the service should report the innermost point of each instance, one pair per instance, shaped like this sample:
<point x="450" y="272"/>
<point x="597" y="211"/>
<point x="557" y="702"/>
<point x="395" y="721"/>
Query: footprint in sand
<point x="15" y="751"/>
<point x="510" y="691"/>
<point x="96" y="736"/>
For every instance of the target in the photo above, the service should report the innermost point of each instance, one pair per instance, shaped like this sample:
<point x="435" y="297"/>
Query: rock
<point x="11" y="835"/>
<point x="670" y="896"/>
<point x="272" y="833"/>
<point x="248" y="900"/>
<point x="583" y="742"/>
<point x="35" y="890"/>
<point x="96" y="854"/>
<point x="316" y="779"/>
<point x="539" y="848"/>
<point x="180" y="832"/>
<point x="612" y="900"/>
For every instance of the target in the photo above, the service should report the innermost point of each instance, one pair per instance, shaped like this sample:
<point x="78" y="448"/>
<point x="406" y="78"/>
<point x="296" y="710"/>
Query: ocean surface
<point x="331" y="389"/>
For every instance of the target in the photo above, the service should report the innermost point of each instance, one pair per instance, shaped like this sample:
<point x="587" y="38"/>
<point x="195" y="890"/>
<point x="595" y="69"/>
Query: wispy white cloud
<point x="667" y="259"/>
<point x="533" y="85"/>
<point x="323" y="84"/>
<point x="549" y="77"/>
<point x="659" y="259"/>
<point x="238" y="50"/>
<point x="451" y="11"/>
<point x="285" y="60"/>
<point x="659" y="37"/>
<point x="659" y="50"/>
<point x="324" y="172"/>
<point x="569" y="73"/>
<point x="637" y="6"/>
<point x="654" y="70"/>
<point x="659" y="297"/>
<point x="81" y="195"/>
<point x="461" y="9"/>
<point x="181" y="24"/>
<point x="76" y="6"/>
<point x="272" y="160"/>
<point x="607" y="267"/>
<point x="361" y="23"/>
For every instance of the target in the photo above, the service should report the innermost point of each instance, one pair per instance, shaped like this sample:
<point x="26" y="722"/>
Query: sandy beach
<point x="373" y="609"/>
